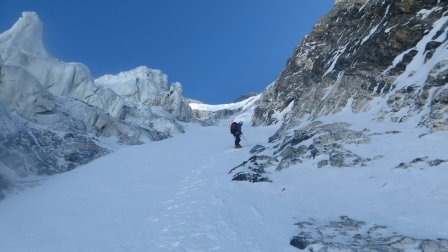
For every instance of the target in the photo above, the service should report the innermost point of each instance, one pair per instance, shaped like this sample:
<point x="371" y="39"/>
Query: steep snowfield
<point x="164" y="195"/>
<point x="177" y="195"/>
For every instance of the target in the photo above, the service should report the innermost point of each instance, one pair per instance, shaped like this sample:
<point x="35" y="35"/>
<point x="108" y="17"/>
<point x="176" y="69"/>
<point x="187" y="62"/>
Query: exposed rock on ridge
<point x="346" y="234"/>
<point x="364" y="50"/>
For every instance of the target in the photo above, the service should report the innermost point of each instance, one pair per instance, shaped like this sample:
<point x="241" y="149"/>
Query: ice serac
<point x="364" y="52"/>
<point x="74" y="80"/>
<point x="25" y="36"/>
<point x="54" y="118"/>
<point x="148" y="87"/>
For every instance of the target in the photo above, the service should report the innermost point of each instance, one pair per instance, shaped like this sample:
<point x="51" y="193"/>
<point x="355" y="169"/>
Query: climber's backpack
<point x="233" y="128"/>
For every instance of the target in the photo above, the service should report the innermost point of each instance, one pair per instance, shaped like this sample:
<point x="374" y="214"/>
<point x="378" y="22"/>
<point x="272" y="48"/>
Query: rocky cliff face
<point x="363" y="51"/>
<point x="53" y="116"/>
<point x="372" y="73"/>
<point x="383" y="61"/>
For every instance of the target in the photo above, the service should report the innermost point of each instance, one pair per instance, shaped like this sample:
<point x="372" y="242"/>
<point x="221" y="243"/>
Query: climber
<point x="235" y="130"/>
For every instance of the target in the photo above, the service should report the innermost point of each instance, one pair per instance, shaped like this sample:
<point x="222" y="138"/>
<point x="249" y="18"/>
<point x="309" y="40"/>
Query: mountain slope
<point x="382" y="61"/>
<point x="176" y="195"/>
<point x="362" y="52"/>
<point x="356" y="158"/>
<point x="160" y="196"/>
<point x="365" y="91"/>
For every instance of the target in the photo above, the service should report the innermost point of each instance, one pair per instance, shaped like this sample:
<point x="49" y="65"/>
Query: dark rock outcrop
<point x="253" y="170"/>
<point x="421" y="162"/>
<point x="360" y="51"/>
<point x="328" y="142"/>
<point x="347" y="234"/>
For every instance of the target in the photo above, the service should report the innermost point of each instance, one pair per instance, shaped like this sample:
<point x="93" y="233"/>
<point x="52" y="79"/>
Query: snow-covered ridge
<point x="230" y="106"/>
<point x="223" y="114"/>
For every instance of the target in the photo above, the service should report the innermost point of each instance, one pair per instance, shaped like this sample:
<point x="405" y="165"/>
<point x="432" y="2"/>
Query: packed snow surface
<point x="177" y="195"/>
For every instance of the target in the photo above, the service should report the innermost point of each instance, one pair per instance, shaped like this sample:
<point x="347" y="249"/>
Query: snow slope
<point x="177" y="195"/>
<point x="164" y="195"/>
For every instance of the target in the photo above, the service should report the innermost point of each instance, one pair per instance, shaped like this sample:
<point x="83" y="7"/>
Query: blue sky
<point x="217" y="49"/>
